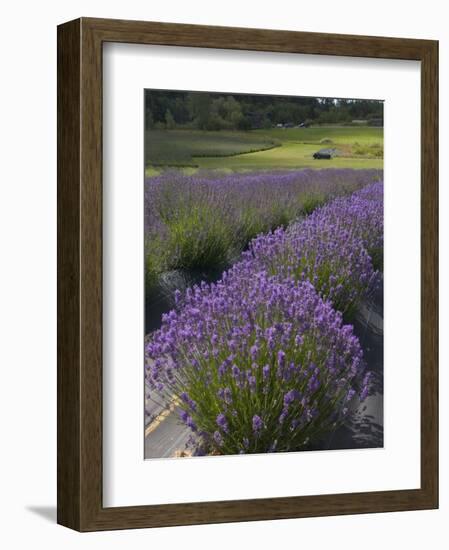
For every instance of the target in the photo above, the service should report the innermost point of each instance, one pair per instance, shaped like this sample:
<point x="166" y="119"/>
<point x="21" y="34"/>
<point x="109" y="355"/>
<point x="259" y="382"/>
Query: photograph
<point x="223" y="198"/>
<point x="263" y="255"/>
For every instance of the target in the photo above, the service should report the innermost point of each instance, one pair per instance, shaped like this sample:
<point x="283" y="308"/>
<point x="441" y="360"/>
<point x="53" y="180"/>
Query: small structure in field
<point x="325" y="154"/>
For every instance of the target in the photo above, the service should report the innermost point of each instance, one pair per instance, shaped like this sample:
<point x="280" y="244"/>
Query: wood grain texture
<point x="69" y="408"/>
<point x="429" y="271"/>
<point x="80" y="274"/>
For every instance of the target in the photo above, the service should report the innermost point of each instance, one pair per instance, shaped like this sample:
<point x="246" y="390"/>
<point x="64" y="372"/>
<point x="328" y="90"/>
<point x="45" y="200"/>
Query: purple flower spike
<point x="266" y="372"/>
<point x="227" y="395"/>
<point x="222" y="422"/>
<point x="281" y="359"/>
<point x="257" y="424"/>
<point x="254" y="351"/>
<point x="291" y="396"/>
<point x="218" y="438"/>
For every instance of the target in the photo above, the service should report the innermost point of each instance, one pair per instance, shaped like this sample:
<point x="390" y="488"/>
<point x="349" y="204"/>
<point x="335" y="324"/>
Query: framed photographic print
<point x="247" y="274"/>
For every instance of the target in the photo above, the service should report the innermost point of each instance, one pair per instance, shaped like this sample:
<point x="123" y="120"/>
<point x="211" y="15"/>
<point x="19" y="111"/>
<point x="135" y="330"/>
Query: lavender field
<point x="263" y="275"/>
<point x="204" y="221"/>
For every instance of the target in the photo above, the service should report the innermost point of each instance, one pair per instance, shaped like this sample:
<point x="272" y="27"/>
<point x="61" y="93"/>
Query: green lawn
<point x="366" y="135"/>
<point x="359" y="147"/>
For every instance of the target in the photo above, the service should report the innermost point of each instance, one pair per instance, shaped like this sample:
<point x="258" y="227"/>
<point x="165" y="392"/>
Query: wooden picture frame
<point x="80" y="503"/>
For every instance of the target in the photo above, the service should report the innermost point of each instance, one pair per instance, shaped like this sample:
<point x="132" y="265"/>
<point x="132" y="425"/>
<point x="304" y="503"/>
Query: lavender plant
<point x="259" y="364"/>
<point x="261" y="361"/>
<point x="330" y="248"/>
<point x="362" y="215"/>
<point x="205" y="221"/>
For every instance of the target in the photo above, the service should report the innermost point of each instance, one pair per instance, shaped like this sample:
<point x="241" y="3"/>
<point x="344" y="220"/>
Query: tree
<point x="149" y="122"/>
<point x="198" y="105"/>
<point x="244" y="124"/>
<point x="215" y="111"/>
<point x="169" y="120"/>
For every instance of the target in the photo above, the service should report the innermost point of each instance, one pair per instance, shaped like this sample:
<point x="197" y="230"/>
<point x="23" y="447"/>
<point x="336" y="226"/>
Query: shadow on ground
<point x="46" y="512"/>
<point x="365" y="428"/>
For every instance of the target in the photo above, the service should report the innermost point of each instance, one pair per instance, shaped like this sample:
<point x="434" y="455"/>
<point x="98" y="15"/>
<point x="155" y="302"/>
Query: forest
<point x="209" y="111"/>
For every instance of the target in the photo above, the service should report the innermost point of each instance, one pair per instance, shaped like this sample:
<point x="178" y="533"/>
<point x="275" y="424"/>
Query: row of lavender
<point x="185" y="230"/>
<point x="262" y="360"/>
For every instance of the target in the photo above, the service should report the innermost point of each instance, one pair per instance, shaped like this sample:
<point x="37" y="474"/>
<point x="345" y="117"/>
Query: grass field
<point x="181" y="147"/>
<point x="338" y="134"/>
<point x="276" y="148"/>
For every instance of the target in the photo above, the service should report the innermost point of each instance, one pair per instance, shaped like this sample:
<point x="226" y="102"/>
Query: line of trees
<point x="215" y="111"/>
